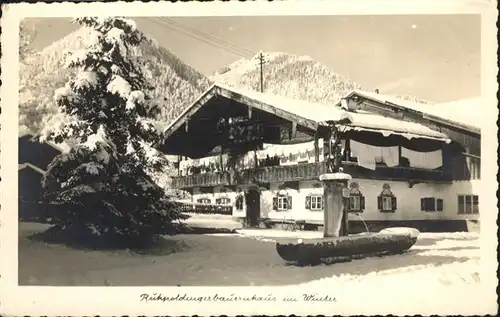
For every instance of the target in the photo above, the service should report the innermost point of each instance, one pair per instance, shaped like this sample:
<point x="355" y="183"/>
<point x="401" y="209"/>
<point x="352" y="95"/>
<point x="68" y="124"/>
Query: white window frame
<point x="387" y="203"/>
<point x="316" y="203"/>
<point x="463" y="209"/>
<point x="352" y="202"/>
<point x="282" y="203"/>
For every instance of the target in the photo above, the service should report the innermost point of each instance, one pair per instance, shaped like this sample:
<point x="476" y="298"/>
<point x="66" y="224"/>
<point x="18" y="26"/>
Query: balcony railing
<point x="283" y="173"/>
<point x="307" y="171"/>
<point x="206" y="209"/>
<point x="204" y="180"/>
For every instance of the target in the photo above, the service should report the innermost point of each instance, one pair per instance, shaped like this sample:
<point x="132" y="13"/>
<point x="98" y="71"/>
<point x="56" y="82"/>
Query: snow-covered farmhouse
<point x="34" y="158"/>
<point x="262" y="155"/>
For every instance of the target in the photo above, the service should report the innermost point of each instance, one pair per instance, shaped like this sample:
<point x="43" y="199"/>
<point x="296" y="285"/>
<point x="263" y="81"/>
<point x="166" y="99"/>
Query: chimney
<point x="377" y="91"/>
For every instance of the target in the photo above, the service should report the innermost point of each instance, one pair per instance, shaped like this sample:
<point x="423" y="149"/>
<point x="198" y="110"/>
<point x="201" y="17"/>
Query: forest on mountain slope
<point x="175" y="84"/>
<point x="292" y="76"/>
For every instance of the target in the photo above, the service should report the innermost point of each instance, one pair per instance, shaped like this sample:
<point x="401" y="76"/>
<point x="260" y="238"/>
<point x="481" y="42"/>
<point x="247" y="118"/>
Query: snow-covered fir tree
<point x="102" y="185"/>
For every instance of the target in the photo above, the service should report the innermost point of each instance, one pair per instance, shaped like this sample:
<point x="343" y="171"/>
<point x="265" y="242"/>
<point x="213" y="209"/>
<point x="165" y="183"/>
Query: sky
<point x="432" y="57"/>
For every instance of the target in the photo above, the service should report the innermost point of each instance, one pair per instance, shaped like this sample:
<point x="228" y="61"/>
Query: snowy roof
<point x="321" y="113"/>
<point x="308" y="114"/>
<point x="33" y="167"/>
<point x="456" y="112"/>
<point x="367" y="120"/>
<point x="297" y="107"/>
<point x="460" y="111"/>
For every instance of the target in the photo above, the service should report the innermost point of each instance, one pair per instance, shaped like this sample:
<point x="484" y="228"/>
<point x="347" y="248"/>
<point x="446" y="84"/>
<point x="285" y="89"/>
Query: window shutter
<point x="432" y="204"/>
<point x="308" y="202"/>
<point x="275" y="203"/>
<point x="422" y="204"/>
<point x="394" y="203"/>
<point x="239" y="203"/>
<point x="289" y="198"/>
<point x="379" y="202"/>
<point x="439" y="204"/>
<point x="362" y="203"/>
<point x="475" y="199"/>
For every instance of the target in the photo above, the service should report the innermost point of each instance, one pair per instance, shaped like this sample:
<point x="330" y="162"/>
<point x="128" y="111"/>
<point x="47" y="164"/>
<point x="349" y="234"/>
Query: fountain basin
<point x="386" y="242"/>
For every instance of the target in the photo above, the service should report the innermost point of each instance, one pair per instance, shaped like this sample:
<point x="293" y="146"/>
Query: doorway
<point x="252" y="198"/>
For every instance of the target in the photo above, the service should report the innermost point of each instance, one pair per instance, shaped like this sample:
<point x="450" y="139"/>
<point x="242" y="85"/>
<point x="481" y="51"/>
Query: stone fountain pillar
<point x="335" y="213"/>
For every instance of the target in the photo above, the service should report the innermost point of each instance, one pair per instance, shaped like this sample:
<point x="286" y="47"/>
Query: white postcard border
<point x="31" y="300"/>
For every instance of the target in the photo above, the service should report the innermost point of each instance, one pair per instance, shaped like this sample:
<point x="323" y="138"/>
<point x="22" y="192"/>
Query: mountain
<point x="288" y="75"/>
<point x="291" y="76"/>
<point x="175" y="84"/>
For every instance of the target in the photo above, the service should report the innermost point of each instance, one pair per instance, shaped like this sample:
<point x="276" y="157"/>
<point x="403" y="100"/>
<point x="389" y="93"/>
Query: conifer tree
<point x="102" y="185"/>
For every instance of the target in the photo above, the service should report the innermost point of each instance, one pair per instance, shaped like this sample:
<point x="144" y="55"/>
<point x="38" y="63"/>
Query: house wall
<point x="408" y="201"/>
<point x="36" y="153"/>
<point x="464" y="188"/>
<point x="219" y="191"/>
<point x="29" y="193"/>
<point x="30" y="184"/>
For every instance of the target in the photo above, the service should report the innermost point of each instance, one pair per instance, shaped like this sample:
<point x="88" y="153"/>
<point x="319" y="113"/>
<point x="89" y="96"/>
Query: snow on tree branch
<point x="108" y="91"/>
<point x="119" y="86"/>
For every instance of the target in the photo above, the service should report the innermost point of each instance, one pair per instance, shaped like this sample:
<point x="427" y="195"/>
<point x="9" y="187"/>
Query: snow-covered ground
<point x="458" y="276"/>
<point x="440" y="268"/>
<point x="212" y="221"/>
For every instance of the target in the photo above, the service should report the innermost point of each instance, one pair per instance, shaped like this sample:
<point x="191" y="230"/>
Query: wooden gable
<point x="195" y="133"/>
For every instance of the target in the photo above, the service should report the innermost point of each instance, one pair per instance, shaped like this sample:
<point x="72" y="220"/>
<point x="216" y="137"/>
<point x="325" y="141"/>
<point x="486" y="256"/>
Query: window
<point x="387" y="201"/>
<point x="223" y="201"/>
<point x="282" y="203"/>
<point x="430" y="204"/>
<point x="468" y="204"/>
<point x="203" y="201"/>
<point x="314" y="202"/>
<point x="357" y="203"/>
<point x="356" y="199"/>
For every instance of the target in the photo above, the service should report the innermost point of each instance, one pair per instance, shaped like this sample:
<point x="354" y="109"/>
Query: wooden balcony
<point x="285" y="173"/>
<point x="308" y="171"/>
